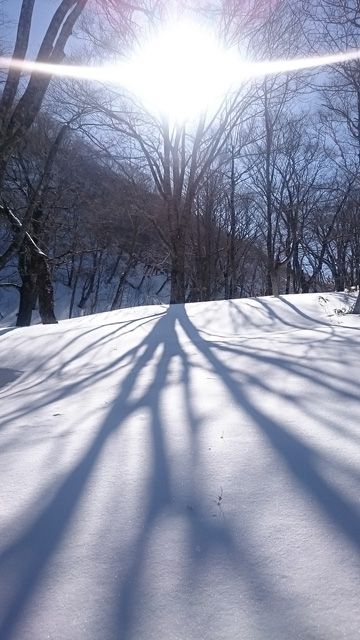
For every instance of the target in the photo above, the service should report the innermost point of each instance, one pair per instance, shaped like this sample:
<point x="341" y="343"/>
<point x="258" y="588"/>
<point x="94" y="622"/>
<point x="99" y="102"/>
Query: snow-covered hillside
<point x="182" y="473"/>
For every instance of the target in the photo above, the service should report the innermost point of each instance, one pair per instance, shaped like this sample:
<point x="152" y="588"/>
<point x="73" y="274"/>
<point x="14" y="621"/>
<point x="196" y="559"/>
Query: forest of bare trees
<point x="259" y="197"/>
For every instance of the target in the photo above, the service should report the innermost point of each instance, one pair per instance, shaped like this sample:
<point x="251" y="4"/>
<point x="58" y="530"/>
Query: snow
<point x="182" y="473"/>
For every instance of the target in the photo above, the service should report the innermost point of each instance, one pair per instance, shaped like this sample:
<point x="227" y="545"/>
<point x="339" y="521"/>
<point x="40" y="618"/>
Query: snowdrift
<point x="182" y="473"/>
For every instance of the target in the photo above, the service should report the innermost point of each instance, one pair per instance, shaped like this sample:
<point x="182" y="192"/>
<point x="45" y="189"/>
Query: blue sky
<point x="43" y="11"/>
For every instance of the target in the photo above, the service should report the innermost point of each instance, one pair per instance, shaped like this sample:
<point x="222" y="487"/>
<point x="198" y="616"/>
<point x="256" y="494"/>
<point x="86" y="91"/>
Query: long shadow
<point x="273" y="314"/>
<point x="215" y="537"/>
<point x="300" y="459"/>
<point x="6" y="330"/>
<point x="305" y="368"/>
<point x="160" y="492"/>
<point x="163" y="499"/>
<point x="98" y="342"/>
<point x="83" y="380"/>
<point x="301" y="313"/>
<point x="24" y="561"/>
<point x="7" y="376"/>
<point x="304" y="315"/>
<point x="299" y="368"/>
<point x="269" y="319"/>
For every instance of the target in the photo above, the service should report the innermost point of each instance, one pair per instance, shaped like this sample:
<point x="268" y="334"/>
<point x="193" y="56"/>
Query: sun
<point x="181" y="72"/>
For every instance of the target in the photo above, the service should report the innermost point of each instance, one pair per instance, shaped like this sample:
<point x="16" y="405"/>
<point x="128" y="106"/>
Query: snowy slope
<point x="183" y="473"/>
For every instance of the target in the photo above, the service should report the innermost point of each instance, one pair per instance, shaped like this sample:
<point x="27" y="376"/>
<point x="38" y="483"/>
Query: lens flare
<point x="181" y="72"/>
<point x="121" y="72"/>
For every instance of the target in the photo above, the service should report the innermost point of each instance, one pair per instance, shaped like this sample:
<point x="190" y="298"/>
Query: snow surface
<point x="182" y="473"/>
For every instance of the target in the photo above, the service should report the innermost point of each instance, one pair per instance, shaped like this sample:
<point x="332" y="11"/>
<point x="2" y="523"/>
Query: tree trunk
<point x="232" y="246"/>
<point x="116" y="303"/>
<point x="269" y="279"/>
<point x="177" y="277"/>
<point x="274" y="282"/>
<point x="114" y="269"/>
<point x="75" y="282"/>
<point x="51" y="51"/>
<point x="271" y="276"/>
<point x="27" y="300"/>
<point x="36" y="282"/>
<point x="45" y="291"/>
<point x="27" y="289"/>
<point x="305" y="286"/>
<point x="88" y="288"/>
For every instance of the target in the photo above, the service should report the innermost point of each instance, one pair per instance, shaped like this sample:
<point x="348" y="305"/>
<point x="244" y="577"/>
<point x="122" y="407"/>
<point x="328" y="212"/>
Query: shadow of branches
<point x="173" y="343"/>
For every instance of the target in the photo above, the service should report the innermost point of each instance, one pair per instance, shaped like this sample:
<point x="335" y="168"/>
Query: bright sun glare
<point x="182" y="71"/>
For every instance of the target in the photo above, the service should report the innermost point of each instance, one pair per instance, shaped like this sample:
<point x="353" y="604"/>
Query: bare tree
<point x="17" y="115"/>
<point x="336" y="28"/>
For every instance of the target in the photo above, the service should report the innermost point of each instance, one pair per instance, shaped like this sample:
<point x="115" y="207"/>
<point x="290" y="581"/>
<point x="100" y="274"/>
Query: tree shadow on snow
<point x="301" y="461"/>
<point x="299" y="457"/>
<point x="24" y="561"/>
<point x="7" y="376"/>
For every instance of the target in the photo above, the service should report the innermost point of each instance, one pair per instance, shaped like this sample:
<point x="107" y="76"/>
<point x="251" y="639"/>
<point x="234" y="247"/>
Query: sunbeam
<point x="179" y="80"/>
<point x="120" y="73"/>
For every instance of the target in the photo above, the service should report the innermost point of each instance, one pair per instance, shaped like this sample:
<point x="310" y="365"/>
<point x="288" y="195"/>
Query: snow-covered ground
<point x="182" y="473"/>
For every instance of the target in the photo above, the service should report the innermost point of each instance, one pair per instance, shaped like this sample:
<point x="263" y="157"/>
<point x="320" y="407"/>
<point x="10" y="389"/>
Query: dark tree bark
<point x="33" y="265"/>
<point x="27" y="289"/>
<point x="36" y="283"/>
<point x="45" y="291"/>
<point x="16" y="119"/>
<point x="35" y="275"/>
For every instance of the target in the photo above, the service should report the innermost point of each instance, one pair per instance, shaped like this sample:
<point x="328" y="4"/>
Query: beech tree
<point x="18" y="109"/>
<point x="336" y="29"/>
<point x="18" y="114"/>
<point x="179" y="158"/>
